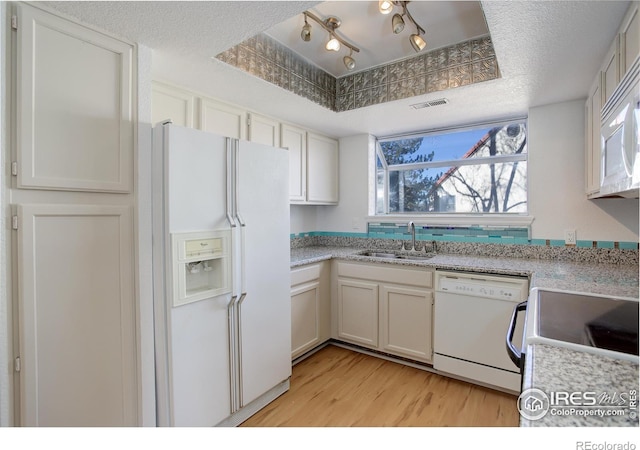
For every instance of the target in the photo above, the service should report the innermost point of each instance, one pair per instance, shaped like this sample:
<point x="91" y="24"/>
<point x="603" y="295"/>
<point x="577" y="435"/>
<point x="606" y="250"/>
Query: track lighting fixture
<point x="330" y="24"/>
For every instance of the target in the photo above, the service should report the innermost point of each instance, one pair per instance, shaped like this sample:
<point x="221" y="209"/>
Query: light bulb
<point x="333" y="44"/>
<point x="385" y="6"/>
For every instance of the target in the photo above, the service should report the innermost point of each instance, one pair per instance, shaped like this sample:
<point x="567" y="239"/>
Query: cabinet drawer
<point x="305" y="274"/>
<point x="398" y="275"/>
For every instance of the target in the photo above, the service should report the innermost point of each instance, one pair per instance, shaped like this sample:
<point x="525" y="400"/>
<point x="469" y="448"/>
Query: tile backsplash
<point x="475" y="242"/>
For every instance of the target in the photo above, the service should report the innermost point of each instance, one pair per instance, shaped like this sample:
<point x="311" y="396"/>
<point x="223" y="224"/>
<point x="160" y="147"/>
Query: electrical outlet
<point x="570" y="237"/>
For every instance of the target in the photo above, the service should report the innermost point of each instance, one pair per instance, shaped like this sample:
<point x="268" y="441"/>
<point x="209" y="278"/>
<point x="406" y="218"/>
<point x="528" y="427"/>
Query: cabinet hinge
<point x="14" y="168"/>
<point x="14" y="22"/>
<point x="248" y="121"/>
<point x="14" y="222"/>
<point x="16" y="364"/>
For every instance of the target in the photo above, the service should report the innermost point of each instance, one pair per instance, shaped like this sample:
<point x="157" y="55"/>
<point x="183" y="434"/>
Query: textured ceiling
<point x="548" y="51"/>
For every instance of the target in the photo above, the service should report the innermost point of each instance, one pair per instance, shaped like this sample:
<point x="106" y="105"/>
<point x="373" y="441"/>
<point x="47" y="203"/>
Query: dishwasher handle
<point x="514" y="353"/>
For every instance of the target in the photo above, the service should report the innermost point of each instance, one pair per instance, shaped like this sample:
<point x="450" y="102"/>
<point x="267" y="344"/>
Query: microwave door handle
<point x="514" y="353"/>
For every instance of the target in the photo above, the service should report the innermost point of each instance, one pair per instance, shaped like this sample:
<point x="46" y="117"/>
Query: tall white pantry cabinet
<point x="72" y="199"/>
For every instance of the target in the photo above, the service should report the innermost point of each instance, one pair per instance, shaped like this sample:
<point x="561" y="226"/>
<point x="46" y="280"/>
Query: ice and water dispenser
<point x="201" y="265"/>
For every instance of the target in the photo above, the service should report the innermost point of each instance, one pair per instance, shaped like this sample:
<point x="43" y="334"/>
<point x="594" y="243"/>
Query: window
<point x="467" y="170"/>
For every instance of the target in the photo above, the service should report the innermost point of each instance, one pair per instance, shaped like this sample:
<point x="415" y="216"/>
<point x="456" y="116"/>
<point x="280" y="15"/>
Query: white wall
<point x="351" y="212"/>
<point x="303" y="218"/>
<point x="556" y="183"/>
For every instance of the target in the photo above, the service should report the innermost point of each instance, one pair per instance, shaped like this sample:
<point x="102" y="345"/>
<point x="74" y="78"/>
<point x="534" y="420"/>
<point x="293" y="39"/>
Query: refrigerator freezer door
<point x="265" y="312"/>
<point x="197" y="174"/>
<point x="193" y="359"/>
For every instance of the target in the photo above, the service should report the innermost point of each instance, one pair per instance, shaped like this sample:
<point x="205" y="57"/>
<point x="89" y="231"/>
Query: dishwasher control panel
<point x="504" y="289"/>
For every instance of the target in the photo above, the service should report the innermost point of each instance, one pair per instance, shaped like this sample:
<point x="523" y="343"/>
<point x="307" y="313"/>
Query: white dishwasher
<point x="471" y="319"/>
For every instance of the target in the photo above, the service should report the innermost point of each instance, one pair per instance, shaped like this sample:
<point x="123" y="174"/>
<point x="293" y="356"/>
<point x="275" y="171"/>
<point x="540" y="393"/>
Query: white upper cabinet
<point x="313" y="158"/>
<point x="629" y="39"/>
<point x="295" y="140"/>
<point x="624" y="51"/>
<point x="322" y="169"/>
<point x="592" y="149"/>
<point x="223" y="119"/>
<point x="264" y="130"/>
<point x="611" y="70"/>
<point x="75" y="106"/>
<point x="313" y="166"/>
<point x="170" y="103"/>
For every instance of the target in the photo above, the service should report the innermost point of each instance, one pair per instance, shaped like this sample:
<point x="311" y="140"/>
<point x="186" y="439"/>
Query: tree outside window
<point x="479" y="170"/>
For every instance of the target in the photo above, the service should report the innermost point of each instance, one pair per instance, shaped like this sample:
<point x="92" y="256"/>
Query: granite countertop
<point x="548" y="368"/>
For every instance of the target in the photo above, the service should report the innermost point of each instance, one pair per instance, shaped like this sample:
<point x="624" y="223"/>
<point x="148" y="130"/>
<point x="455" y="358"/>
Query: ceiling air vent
<point x="438" y="102"/>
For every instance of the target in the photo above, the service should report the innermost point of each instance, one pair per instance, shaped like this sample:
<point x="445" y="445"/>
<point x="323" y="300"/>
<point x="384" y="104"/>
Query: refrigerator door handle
<point x="237" y="180"/>
<point x="232" y="356"/>
<point x="242" y="297"/>
<point x="229" y="199"/>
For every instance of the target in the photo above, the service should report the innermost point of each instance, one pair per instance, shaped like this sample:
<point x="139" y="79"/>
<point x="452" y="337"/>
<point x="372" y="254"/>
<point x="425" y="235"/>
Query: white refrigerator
<point x="221" y="276"/>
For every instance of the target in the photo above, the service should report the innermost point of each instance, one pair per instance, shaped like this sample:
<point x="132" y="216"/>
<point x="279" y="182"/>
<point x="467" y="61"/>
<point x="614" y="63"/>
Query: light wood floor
<point x="341" y="388"/>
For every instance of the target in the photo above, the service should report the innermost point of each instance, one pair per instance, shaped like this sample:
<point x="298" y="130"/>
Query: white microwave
<point x="620" y="139"/>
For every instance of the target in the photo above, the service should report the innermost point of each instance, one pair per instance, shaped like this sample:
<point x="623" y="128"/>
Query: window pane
<point x="482" y="188"/>
<point x="477" y="143"/>
<point x="413" y="190"/>
<point x="499" y="187"/>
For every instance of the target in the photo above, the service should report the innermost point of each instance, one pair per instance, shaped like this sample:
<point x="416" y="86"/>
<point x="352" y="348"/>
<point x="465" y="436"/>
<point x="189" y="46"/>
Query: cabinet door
<point x="629" y="39"/>
<point x="322" y="169"/>
<point x="305" y="318"/>
<point x="611" y="71"/>
<point x="74" y="106"/>
<point x="358" y="312"/>
<point x="406" y="322"/>
<point x="76" y="316"/>
<point x="295" y="140"/>
<point x="223" y="119"/>
<point x="264" y="130"/>
<point x="592" y="149"/>
<point x="171" y="103"/>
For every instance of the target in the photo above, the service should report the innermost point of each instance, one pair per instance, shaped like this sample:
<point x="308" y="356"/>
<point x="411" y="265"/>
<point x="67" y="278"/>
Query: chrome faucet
<point x="411" y="228"/>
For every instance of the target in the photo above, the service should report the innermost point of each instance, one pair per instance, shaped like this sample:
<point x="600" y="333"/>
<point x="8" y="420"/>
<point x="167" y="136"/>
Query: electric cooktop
<point x="594" y="323"/>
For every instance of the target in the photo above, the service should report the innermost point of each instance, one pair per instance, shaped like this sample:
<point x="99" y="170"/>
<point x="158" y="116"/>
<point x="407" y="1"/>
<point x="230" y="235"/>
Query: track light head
<point x="305" y="34"/>
<point x="349" y="62"/>
<point x="417" y="42"/>
<point x="397" y="23"/>
<point x="385" y="6"/>
<point x="332" y="44"/>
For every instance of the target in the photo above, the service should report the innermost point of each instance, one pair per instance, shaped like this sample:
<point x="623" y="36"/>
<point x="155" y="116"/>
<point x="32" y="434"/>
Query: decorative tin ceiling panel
<point x="469" y="62"/>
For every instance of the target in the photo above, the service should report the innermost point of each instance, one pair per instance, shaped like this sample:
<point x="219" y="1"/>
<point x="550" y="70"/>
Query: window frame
<point x="519" y="218"/>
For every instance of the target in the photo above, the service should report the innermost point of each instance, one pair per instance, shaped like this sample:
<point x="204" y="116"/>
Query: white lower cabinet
<point x="389" y="309"/>
<point x="310" y="307"/>
<point x="358" y="312"/>
<point x="405" y="321"/>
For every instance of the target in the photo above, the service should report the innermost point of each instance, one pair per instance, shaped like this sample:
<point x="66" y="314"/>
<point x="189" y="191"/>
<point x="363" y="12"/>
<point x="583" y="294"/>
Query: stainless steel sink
<point x="390" y="254"/>
<point x="603" y="325"/>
